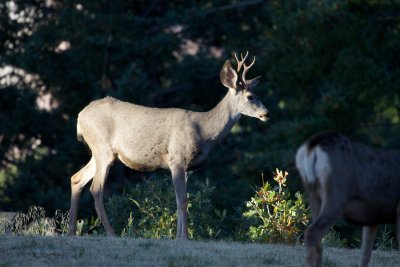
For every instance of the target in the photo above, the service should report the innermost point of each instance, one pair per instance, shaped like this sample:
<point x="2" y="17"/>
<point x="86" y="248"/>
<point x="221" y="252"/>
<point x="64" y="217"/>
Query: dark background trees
<point x="325" y="65"/>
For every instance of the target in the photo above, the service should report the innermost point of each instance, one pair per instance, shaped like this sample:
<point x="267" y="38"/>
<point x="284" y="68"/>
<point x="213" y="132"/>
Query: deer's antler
<point x="246" y="68"/>
<point x="240" y="62"/>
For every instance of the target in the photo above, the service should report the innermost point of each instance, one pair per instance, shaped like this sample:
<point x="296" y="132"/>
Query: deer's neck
<point x="218" y="122"/>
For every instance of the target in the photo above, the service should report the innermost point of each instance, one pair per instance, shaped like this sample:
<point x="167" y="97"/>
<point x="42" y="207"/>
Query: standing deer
<point x="345" y="178"/>
<point x="146" y="139"/>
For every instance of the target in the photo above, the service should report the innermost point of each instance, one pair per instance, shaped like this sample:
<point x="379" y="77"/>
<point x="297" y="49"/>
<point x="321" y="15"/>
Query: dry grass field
<point x="104" y="251"/>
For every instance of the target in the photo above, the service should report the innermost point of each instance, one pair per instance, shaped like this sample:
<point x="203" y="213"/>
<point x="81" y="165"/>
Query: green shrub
<point x="385" y="240"/>
<point x="205" y="221"/>
<point x="90" y="226"/>
<point x="332" y="239"/>
<point x="35" y="222"/>
<point x="149" y="211"/>
<point x="274" y="216"/>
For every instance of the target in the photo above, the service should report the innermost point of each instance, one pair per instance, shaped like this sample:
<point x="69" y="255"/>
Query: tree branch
<point x="240" y="5"/>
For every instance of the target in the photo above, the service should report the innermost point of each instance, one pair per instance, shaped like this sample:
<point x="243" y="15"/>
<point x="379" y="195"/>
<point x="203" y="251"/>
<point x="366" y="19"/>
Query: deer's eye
<point x="250" y="97"/>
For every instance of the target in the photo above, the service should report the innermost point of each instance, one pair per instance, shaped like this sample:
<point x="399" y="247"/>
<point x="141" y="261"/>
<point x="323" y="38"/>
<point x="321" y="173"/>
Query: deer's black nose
<point x="265" y="116"/>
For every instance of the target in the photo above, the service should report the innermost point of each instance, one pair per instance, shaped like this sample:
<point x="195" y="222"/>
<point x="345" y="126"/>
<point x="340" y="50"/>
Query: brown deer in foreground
<point x="344" y="178"/>
<point x="146" y="139"/>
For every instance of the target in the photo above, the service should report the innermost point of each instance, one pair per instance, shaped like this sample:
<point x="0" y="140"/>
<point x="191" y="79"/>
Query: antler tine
<point x="243" y="59"/>
<point x="246" y="68"/>
<point x="240" y="62"/>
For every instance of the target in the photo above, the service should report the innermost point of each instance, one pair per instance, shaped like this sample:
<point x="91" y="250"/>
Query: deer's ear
<point x="228" y="75"/>
<point x="254" y="82"/>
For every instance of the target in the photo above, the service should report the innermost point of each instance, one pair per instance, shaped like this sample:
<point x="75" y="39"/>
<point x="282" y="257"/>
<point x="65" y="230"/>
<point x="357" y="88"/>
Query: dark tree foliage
<point x="325" y="65"/>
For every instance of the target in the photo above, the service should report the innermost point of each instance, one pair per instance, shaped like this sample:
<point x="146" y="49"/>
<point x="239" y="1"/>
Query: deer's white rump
<point x="346" y="178"/>
<point x="146" y="139"/>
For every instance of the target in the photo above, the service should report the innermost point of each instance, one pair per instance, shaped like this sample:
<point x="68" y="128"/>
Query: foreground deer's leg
<point x="398" y="224"/>
<point x="78" y="181"/>
<point x="314" y="202"/>
<point x="179" y="181"/>
<point x="315" y="206"/>
<point x="319" y="228"/>
<point x="103" y="163"/>
<point x="368" y="237"/>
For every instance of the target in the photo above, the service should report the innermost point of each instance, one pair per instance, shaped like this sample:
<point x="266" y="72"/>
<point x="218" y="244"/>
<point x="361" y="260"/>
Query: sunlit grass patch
<point x="106" y="251"/>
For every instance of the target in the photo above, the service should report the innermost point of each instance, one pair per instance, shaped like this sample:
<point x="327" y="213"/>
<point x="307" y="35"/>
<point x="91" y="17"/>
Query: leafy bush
<point x="385" y="240"/>
<point x="205" y="221"/>
<point x="35" y="222"/>
<point x="332" y="239"/>
<point x="275" y="216"/>
<point x="149" y="211"/>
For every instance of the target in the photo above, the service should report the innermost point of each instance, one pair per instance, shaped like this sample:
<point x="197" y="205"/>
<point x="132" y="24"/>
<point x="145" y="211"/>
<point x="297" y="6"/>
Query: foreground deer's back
<point x="369" y="178"/>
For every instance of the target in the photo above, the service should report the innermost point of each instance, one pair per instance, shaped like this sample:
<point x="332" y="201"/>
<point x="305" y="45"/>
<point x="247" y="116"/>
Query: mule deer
<point x="146" y="139"/>
<point x="346" y="178"/>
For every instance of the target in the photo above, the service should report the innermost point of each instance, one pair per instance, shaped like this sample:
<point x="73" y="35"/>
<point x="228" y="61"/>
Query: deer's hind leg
<point x="78" y="181"/>
<point x="329" y="213"/>
<point x="104" y="160"/>
<point x="327" y="205"/>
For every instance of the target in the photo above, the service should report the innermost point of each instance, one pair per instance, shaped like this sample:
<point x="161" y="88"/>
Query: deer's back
<point x="368" y="176"/>
<point x="141" y="137"/>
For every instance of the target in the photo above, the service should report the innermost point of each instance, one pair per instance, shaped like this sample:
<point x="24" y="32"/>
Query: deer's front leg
<point x="398" y="224"/>
<point x="368" y="237"/>
<point x="179" y="181"/>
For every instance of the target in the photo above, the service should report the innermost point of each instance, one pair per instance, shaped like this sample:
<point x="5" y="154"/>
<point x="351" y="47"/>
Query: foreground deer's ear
<point x="228" y="75"/>
<point x="254" y="82"/>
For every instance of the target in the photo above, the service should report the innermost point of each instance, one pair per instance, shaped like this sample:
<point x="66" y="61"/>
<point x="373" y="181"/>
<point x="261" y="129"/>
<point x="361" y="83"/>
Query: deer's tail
<point x="310" y="166"/>
<point x="305" y="162"/>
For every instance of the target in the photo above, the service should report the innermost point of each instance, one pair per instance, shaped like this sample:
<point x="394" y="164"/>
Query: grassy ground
<point x="104" y="251"/>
